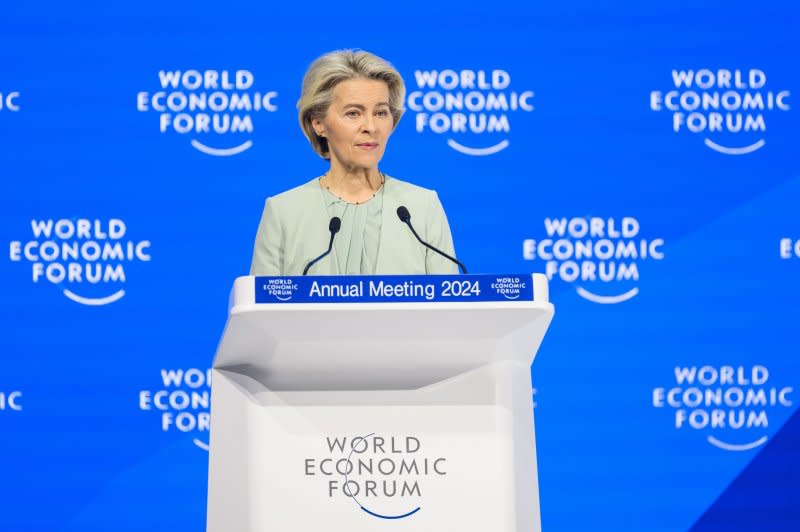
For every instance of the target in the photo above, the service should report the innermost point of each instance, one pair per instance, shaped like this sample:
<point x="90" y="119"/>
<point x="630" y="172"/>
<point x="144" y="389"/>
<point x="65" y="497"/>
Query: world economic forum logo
<point x="384" y="475"/>
<point x="9" y="101"/>
<point x="215" y="108"/>
<point x="600" y="256"/>
<point x="281" y="289"/>
<point x="183" y="400"/>
<point x="471" y="109"/>
<point x="85" y="258"/>
<point x="510" y="287"/>
<point x="11" y="401"/>
<point x="728" y="108"/>
<point x="731" y="405"/>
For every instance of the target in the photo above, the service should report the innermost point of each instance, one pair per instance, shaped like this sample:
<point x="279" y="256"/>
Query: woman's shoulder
<point x="307" y="192"/>
<point x="406" y="189"/>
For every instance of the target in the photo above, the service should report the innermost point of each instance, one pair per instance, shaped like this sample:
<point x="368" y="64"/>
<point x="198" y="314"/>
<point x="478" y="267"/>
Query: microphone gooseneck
<point x="405" y="217"/>
<point x="334" y="226"/>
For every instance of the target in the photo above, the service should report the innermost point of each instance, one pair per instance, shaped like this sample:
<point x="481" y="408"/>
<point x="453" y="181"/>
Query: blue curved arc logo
<point x="412" y="512"/>
<point x="365" y="509"/>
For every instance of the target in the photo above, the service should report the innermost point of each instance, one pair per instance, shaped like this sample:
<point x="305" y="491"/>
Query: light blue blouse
<point x="357" y="242"/>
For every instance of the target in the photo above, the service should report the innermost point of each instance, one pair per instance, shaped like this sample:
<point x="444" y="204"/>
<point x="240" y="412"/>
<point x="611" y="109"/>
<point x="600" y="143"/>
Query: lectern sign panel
<point x="429" y="467"/>
<point x="394" y="288"/>
<point x="386" y="476"/>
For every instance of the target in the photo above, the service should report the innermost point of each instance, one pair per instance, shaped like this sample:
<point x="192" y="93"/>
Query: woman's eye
<point x="383" y="113"/>
<point x="352" y="114"/>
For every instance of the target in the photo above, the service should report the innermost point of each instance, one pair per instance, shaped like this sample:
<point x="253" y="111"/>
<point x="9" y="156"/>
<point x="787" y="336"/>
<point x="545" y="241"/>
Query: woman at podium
<point x="350" y="104"/>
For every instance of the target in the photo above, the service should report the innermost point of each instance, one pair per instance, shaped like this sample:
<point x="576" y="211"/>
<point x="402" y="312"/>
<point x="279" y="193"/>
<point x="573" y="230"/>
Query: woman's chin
<point x="363" y="163"/>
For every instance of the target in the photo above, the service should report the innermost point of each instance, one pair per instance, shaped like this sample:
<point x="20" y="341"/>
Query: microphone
<point x="334" y="226"/>
<point x="405" y="217"/>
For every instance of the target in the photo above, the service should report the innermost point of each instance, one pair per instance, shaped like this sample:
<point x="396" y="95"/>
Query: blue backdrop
<point x="643" y="155"/>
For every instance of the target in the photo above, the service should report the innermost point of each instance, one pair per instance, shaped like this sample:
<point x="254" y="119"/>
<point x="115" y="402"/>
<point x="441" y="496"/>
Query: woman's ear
<point x="319" y="129"/>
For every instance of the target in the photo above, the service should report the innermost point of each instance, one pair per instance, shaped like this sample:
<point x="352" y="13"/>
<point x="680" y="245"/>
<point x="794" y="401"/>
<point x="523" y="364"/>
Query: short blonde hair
<point x="331" y="69"/>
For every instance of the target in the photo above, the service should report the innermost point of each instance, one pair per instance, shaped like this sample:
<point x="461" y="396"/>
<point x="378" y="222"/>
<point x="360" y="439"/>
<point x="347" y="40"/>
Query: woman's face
<point x="358" y="123"/>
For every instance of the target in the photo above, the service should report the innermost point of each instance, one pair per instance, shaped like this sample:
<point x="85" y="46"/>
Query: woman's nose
<point x="369" y="123"/>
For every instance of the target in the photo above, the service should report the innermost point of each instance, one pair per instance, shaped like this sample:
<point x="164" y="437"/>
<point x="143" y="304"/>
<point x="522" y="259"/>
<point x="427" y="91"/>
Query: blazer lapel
<point x="332" y="266"/>
<point x="313" y="236"/>
<point x="388" y="211"/>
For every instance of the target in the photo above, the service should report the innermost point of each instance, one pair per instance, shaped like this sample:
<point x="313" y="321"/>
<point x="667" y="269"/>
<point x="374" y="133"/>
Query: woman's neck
<point x="352" y="184"/>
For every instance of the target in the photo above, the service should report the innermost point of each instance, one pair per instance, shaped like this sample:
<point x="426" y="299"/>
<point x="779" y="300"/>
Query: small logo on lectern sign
<point x="11" y="401"/>
<point x="215" y="108"/>
<point x="727" y="108"/>
<point x="471" y="109"/>
<point x="86" y="258"/>
<point x="183" y="400"/>
<point x="281" y="289"/>
<point x="384" y="476"/>
<point x="790" y="248"/>
<point x="730" y="405"/>
<point x="9" y="101"/>
<point x="510" y="288"/>
<point x="600" y="256"/>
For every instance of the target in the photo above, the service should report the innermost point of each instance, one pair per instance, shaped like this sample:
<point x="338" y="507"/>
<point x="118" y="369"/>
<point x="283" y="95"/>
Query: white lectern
<point x="367" y="416"/>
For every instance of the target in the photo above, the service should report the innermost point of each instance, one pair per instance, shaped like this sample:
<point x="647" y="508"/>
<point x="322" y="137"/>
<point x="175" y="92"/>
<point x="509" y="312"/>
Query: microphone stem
<point x="463" y="268"/>
<point x="330" y="247"/>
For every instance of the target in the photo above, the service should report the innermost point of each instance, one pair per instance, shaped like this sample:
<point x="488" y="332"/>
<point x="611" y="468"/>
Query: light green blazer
<point x="294" y="230"/>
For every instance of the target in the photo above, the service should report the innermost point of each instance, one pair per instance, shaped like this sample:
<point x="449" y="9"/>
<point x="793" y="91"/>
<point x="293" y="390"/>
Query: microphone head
<point x="403" y="214"/>
<point x="335" y="225"/>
